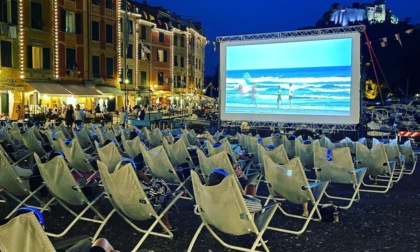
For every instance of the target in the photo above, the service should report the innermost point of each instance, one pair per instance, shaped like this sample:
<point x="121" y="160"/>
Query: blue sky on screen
<point x="319" y="53"/>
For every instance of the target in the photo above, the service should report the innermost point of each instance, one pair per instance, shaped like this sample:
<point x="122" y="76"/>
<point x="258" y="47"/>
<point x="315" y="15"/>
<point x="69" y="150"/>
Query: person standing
<point x="254" y="95"/>
<point x="26" y="111"/>
<point x="123" y="117"/>
<point x="279" y="102"/>
<point x="291" y="93"/>
<point x="69" y="116"/>
<point x="79" y="115"/>
<point x="18" y="112"/>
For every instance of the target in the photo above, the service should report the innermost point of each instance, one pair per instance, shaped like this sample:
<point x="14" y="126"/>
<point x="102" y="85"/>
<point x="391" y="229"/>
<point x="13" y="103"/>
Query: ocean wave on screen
<point x="296" y="80"/>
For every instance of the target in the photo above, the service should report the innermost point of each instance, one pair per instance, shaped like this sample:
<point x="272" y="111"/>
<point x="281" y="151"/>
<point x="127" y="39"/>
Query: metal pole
<point x="125" y="57"/>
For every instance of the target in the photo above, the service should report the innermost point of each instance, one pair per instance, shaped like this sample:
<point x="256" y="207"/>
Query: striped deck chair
<point x="377" y="163"/>
<point x="24" y="233"/>
<point x="222" y="207"/>
<point x="336" y="166"/>
<point x="17" y="188"/>
<point x="126" y="195"/>
<point x="289" y="182"/>
<point x="67" y="191"/>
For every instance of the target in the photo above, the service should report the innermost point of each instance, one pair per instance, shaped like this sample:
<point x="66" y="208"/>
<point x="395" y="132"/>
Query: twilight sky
<point x="237" y="17"/>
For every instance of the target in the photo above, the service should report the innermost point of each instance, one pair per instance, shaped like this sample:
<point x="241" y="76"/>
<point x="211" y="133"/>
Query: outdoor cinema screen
<point x="308" y="79"/>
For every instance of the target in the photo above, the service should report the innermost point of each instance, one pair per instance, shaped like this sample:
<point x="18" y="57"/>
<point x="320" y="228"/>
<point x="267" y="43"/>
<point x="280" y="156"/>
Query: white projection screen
<point x="309" y="79"/>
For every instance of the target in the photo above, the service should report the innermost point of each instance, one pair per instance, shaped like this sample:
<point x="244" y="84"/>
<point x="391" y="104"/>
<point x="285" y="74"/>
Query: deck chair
<point x="266" y="141"/>
<point x="289" y="145"/>
<point x="304" y="150"/>
<point x="23" y="233"/>
<point x="336" y="166"/>
<point x="394" y="154"/>
<point x="78" y="160"/>
<point x="410" y="157"/>
<point x="131" y="147"/>
<point x="33" y="144"/>
<point x="35" y="131"/>
<point x="16" y="187"/>
<point x="160" y="166"/>
<point x="109" y="154"/>
<point x="289" y="182"/>
<point x="326" y="142"/>
<point x="126" y="195"/>
<point x="52" y="139"/>
<point x="63" y="128"/>
<point x="155" y="137"/>
<point x="67" y="191"/>
<point x="178" y="153"/>
<point x="83" y="138"/>
<point x="222" y="207"/>
<point x="377" y="163"/>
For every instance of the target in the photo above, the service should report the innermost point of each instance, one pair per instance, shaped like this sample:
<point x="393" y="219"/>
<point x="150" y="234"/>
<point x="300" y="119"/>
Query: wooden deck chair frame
<point x="66" y="191"/>
<point x="24" y="233"/>
<point x="377" y="163"/>
<point x="289" y="182"/>
<point x="222" y="207"/>
<point x="160" y="166"/>
<point x="338" y="167"/>
<point x="124" y="191"/>
<point x="15" y="187"/>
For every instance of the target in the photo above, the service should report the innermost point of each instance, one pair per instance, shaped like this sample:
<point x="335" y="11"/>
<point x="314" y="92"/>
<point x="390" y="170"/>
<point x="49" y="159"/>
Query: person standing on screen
<point x="279" y="97"/>
<point x="254" y="95"/>
<point x="291" y="93"/>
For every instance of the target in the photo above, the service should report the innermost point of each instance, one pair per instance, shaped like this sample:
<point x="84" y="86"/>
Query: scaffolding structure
<point x="284" y="35"/>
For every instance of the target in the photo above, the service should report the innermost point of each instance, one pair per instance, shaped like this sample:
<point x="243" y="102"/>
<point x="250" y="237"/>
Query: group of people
<point x="279" y="94"/>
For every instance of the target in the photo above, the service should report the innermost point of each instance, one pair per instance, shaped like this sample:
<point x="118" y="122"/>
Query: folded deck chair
<point x="222" y="207"/>
<point x="178" y="153"/>
<point x="377" y="163"/>
<point x="160" y="166"/>
<point x="24" y="233"/>
<point x="336" y="166"/>
<point x="67" y="191"/>
<point x="289" y="182"/>
<point x="17" y="188"/>
<point x="410" y="157"/>
<point x="126" y="195"/>
<point x="79" y="161"/>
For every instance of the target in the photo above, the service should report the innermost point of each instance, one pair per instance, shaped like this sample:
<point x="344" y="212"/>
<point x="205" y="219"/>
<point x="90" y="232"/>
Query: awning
<point x="10" y="87"/>
<point x="109" y="90"/>
<point x="81" y="90"/>
<point x="49" y="88"/>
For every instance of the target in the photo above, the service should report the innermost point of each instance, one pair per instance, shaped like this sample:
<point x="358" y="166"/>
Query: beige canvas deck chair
<point x="377" y="163"/>
<point x="109" y="154"/>
<point x="35" y="131"/>
<point x="126" y="195"/>
<point x="178" y="153"/>
<point x="393" y="153"/>
<point x="326" y="142"/>
<point x="161" y="167"/>
<point x="289" y="146"/>
<point x="209" y="137"/>
<point x="155" y="137"/>
<point x="131" y="147"/>
<point x="62" y="127"/>
<point x="33" y="144"/>
<point x="266" y="141"/>
<point x="83" y="138"/>
<point x="222" y="207"/>
<point x="53" y="139"/>
<point x="289" y="182"/>
<point x="23" y="233"/>
<point x="17" y="188"/>
<point x="410" y="157"/>
<point x="79" y="161"/>
<point x="67" y="191"/>
<point x="337" y="167"/>
<point x="305" y="151"/>
<point x="278" y="155"/>
<point x="208" y="164"/>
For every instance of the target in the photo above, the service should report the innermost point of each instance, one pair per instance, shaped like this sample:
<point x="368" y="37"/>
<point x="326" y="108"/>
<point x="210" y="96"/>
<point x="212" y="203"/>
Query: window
<point x="175" y="60"/>
<point x="182" y="61"/>
<point x="110" y="68"/>
<point x="130" y="51"/>
<point x="161" y="37"/>
<point x="95" y="2"/>
<point x="143" y="32"/>
<point x="36" y="57"/>
<point x="143" y="76"/>
<point x="36" y="15"/>
<point x="70" y="23"/>
<point x="160" y="78"/>
<point x="175" y="40"/>
<point x="109" y="4"/>
<point x="109" y="33"/>
<point x="130" y="75"/>
<point x="143" y="52"/>
<point x="182" y="41"/>
<point x="6" y="53"/>
<point x="96" y="67"/>
<point x="71" y="58"/>
<point x="95" y="30"/>
<point x="162" y="56"/>
<point x="9" y="11"/>
<point x="46" y="58"/>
